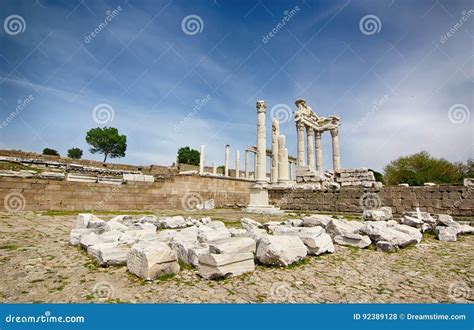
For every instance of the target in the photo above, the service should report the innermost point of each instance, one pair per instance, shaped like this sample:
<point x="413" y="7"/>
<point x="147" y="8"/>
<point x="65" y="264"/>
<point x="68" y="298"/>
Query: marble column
<point x="226" y="160"/>
<point x="214" y="168"/>
<point x="255" y="156"/>
<point x="336" y="158"/>
<point x="282" y="160"/>
<point x="310" y="144"/>
<point x="201" y="160"/>
<point x="275" y="149"/>
<point x="291" y="171"/>
<point x="247" y="160"/>
<point x="300" y="145"/>
<point x="237" y="164"/>
<point x="319" y="153"/>
<point x="261" y="143"/>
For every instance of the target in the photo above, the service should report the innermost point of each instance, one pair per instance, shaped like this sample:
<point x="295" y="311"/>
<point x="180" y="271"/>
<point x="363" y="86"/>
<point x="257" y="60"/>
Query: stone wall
<point x="167" y="193"/>
<point x="146" y="169"/>
<point x="456" y="200"/>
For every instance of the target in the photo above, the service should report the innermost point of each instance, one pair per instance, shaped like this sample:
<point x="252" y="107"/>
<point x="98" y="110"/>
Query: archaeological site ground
<point x="250" y="164"/>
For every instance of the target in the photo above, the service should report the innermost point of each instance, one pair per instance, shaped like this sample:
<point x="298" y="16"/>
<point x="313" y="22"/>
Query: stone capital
<point x="300" y="125"/>
<point x="334" y="132"/>
<point x="261" y="107"/>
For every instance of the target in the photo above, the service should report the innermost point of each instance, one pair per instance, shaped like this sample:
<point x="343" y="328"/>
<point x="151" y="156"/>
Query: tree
<point x="378" y="176"/>
<point x="51" y="152"/>
<point x="75" y="153"/>
<point x="107" y="141"/>
<point x="187" y="155"/>
<point x="419" y="168"/>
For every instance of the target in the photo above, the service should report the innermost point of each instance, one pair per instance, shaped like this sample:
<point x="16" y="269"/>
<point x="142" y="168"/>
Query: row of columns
<point x="313" y="143"/>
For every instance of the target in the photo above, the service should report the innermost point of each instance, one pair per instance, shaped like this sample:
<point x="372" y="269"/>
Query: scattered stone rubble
<point x="153" y="246"/>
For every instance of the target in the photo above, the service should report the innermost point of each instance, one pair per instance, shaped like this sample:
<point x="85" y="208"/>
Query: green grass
<point x="8" y="247"/>
<point x="56" y="213"/>
<point x="183" y="265"/>
<point x="12" y="166"/>
<point x="165" y="277"/>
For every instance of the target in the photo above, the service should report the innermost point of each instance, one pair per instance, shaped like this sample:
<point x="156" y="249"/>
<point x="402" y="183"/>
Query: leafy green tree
<point x="50" y="152"/>
<point x="107" y="141"/>
<point x="187" y="155"/>
<point x="378" y="176"/>
<point x="75" y="153"/>
<point x="419" y="168"/>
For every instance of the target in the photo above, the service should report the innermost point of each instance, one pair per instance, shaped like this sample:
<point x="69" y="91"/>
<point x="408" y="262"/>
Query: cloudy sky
<point x="398" y="73"/>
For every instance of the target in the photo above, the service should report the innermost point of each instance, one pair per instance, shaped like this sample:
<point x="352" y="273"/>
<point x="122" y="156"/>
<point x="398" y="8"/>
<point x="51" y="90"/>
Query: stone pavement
<point x="38" y="265"/>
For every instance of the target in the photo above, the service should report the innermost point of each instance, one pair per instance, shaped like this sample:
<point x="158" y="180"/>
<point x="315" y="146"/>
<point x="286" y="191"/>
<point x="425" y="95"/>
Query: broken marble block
<point x="97" y="224"/>
<point x="239" y="232"/>
<point x="356" y="240"/>
<point x="283" y="230"/>
<point x="207" y="234"/>
<point x="195" y="251"/>
<point x="232" y="245"/>
<point x="149" y="260"/>
<point x="341" y="227"/>
<point x="93" y="238"/>
<point x="382" y="214"/>
<point x="280" y="250"/>
<point x="76" y="235"/>
<point x="448" y="221"/>
<point x="447" y="234"/>
<point x="293" y="222"/>
<point x="317" y="220"/>
<point x="109" y="254"/>
<point x="257" y="233"/>
<point x="115" y="225"/>
<point x="384" y="246"/>
<point x="83" y="219"/>
<point x="134" y="236"/>
<point x="400" y="235"/>
<point x="466" y="229"/>
<point x="172" y="222"/>
<point x="213" y="266"/>
<point x="248" y="223"/>
<point x="317" y="241"/>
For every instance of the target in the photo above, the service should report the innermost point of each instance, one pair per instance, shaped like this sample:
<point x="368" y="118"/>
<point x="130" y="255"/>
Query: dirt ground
<point x="38" y="265"/>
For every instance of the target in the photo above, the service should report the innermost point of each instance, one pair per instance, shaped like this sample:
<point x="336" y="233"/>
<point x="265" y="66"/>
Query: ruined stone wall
<point x="456" y="200"/>
<point x="148" y="169"/>
<point x="169" y="193"/>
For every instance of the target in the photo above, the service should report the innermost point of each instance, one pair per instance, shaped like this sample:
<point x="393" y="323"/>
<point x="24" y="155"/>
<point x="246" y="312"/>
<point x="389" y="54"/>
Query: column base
<point x="259" y="201"/>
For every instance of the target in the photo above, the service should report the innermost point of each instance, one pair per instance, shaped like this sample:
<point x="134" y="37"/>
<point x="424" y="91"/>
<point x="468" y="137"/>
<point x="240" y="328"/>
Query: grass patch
<point x="300" y="263"/>
<point x="184" y="265"/>
<point x="56" y="213"/>
<point x="165" y="277"/>
<point x="91" y="265"/>
<point x="12" y="166"/>
<point x="8" y="247"/>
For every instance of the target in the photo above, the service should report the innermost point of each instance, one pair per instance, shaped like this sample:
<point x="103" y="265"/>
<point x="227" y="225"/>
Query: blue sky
<point x="400" y="85"/>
